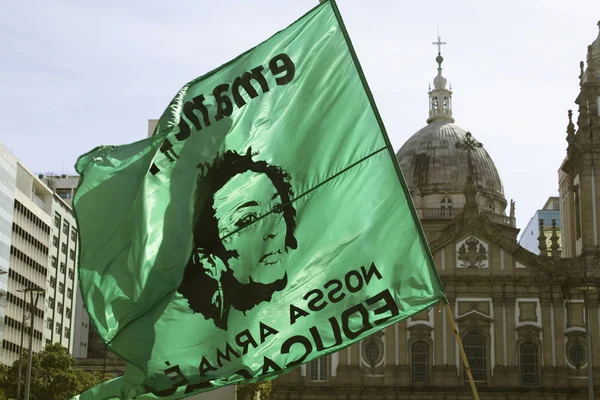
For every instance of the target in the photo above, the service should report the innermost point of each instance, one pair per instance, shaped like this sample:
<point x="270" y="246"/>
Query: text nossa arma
<point x="337" y="327"/>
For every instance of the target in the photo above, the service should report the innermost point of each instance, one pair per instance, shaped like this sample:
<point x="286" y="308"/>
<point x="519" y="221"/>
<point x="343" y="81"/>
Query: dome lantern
<point x="440" y="98"/>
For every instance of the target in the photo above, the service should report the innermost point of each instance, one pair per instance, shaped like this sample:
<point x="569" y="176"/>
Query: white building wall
<point x="61" y="282"/>
<point x="67" y="322"/>
<point x="152" y="126"/>
<point x="30" y="239"/>
<point x="63" y="185"/>
<point x="81" y="328"/>
<point x="8" y="178"/>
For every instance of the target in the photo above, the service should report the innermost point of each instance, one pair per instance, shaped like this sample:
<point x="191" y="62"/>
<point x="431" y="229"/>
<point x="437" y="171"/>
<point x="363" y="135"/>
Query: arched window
<point x="420" y="362"/>
<point x="476" y="355"/>
<point x="529" y="364"/>
<point x="373" y="351"/>
<point x="318" y="369"/>
<point x="446" y="202"/>
<point x="576" y="354"/>
<point x="446" y="206"/>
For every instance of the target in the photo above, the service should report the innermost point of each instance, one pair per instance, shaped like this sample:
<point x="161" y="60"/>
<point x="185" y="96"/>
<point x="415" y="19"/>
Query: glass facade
<point x="529" y="237"/>
<point x="8" y="179"/>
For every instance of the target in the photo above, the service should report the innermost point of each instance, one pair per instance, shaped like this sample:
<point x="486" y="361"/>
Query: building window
<point x="71" y="274"/>
<point x="68" y="313"/>
<point x="63" y="248"/>
<point x="446" y="206"/>
<point x="420" y="362"/>
<point x="74" y="235"/>
<point x="475" y="351"/>
<point x="446" y="202"/>
<point x="490" y="206"/>
<point x="72" y="255"/>
<point x="50" y="302"/>
<point x="67" y="332"/>
<point x="66" y="228"/>
<point x="529" y="364"/>
<point x="63" y="268"/>
<point x="59" y="329"/>
<point x="372" y="351"/>
<point x="64" y="194"/>
<point x="57" y="221"/>
<point x="576" y="354"/>
<point x="52" y="282"/>
<point x="60" y="308"/>
<point x="70" y="293"/>
<point x="54" y="261"/>
<point x="55" y="241"/>
<point x="61" y="287"/>
<point x="49" y="323"/>
<point x="318" y="369"/>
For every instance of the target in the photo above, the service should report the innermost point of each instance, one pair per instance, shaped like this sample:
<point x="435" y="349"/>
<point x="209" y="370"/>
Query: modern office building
<point x="8" y="180"/>
<point x="63" y="185"/>
<point x="62" y="276"/>
<point x="66" y="320"/>
<point x="32" y="203"/>
<point x="549" y="216"/>
<point x="81" y="328"/>
<point x="38" y="250"/>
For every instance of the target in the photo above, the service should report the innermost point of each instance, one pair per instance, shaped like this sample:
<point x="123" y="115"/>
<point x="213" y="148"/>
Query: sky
<point x="76" y="74"/>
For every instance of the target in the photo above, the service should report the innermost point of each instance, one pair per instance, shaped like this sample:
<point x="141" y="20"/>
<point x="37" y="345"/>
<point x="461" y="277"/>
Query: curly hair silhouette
<point x="208" y="282"/>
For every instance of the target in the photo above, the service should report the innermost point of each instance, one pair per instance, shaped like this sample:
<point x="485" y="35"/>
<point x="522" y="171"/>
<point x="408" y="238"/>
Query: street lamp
<point x="33" y="304"/>
<point x="586" y="288"/>
<point x="25" y="317"/>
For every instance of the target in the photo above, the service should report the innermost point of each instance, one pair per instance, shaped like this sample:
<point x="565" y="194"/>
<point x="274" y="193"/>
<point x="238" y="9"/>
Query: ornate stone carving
<point x="472" y="253"/>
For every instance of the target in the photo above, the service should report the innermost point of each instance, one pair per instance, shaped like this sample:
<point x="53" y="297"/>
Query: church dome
<point x="432" y="164"/>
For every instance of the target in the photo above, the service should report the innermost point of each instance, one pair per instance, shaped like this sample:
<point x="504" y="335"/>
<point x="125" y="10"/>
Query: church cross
<point x="469" y="145"/>
<point x="439" y="44"/>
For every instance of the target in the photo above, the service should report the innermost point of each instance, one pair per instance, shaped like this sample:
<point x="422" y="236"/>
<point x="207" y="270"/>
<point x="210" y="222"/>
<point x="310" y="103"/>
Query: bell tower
<point x="580" y="183"/>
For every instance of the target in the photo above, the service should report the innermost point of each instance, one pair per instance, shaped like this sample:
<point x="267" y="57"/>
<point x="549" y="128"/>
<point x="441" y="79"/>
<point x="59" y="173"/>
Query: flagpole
<point x="462" y="352"/>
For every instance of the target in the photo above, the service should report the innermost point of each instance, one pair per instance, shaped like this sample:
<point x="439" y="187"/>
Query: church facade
<point x="521" y="316"/>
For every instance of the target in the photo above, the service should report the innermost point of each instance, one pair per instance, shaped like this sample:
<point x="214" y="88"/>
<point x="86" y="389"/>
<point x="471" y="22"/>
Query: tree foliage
<point x="255" y="391"/>
<point x="54" y="376"/>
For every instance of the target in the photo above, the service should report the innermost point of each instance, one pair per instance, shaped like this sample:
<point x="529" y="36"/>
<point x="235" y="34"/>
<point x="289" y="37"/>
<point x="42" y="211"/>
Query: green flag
<point x="265" y="224"/>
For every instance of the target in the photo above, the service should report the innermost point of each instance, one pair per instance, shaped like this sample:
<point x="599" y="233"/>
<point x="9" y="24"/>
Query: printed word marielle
<point x="280" y="64"/>
<point x="282" y="69"/>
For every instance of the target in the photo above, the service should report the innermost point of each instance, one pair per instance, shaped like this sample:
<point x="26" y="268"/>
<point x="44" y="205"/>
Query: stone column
<point x="546" y="333"/>
<point x="438" y="356"/>
<point x="354" y="369"/>
<point x="450" y="375"/>
<point x="342" y="368"/>
<point x="511" y="333"/>
<point x="499" y="372"/>
<point x="595" y="327"/>
<point x="403" y="369"/>
<point x="561" y="371"/>
<point x="390" y="355"/>
<point x="512" y="370"/>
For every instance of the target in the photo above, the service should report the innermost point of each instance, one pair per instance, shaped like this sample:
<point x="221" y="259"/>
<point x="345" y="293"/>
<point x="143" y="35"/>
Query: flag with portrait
<point x="263" y="225"/>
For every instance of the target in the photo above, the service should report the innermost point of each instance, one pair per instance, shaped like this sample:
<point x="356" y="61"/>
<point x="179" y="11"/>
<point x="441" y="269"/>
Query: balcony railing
<point x="500" y="219"/>
<point x="438" y="213"/>
<point x="450" y="213"/>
